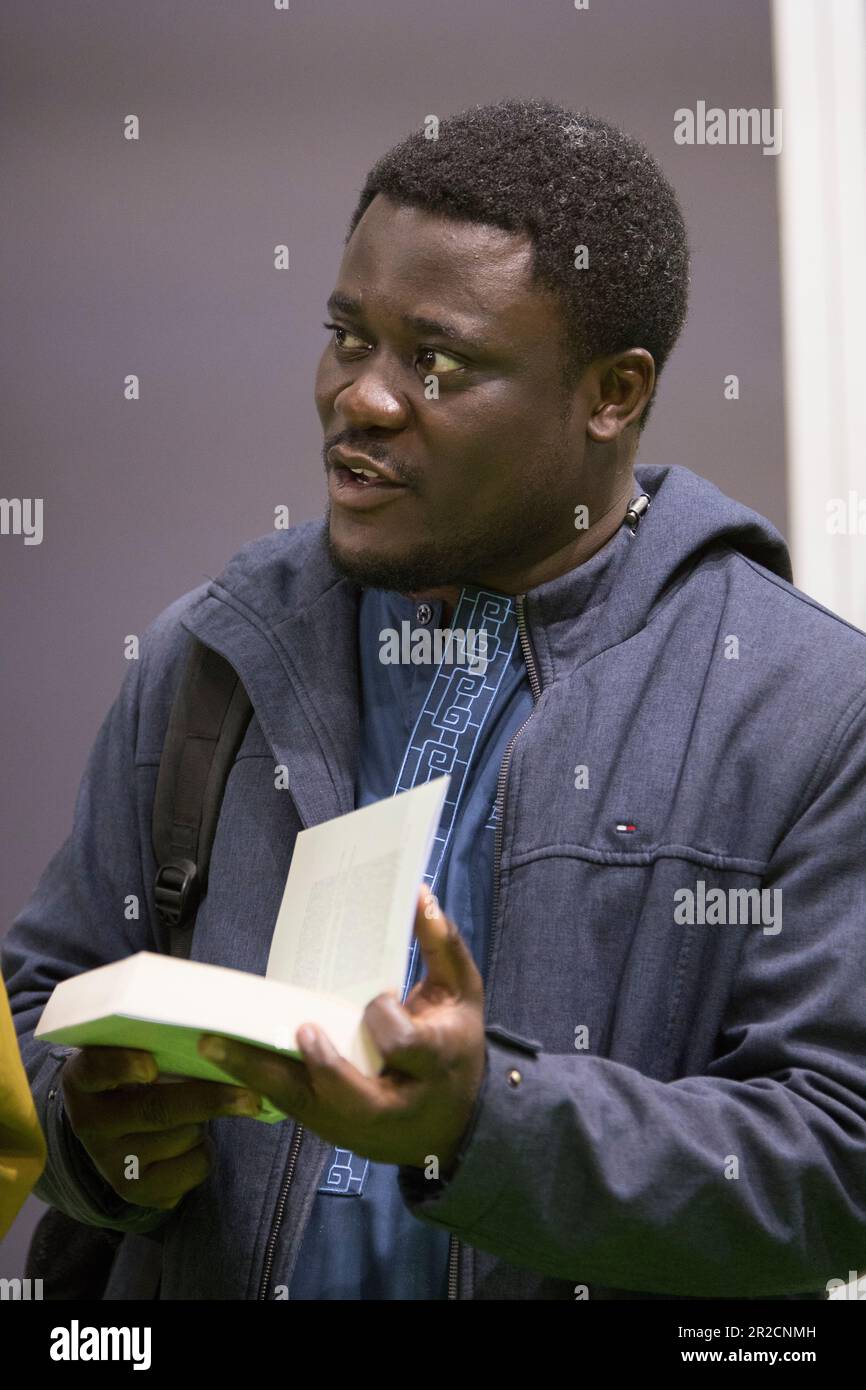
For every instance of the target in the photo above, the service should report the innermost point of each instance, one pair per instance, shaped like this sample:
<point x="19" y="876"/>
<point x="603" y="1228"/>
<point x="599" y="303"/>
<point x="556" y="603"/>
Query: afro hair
<point x="569" y="180"/>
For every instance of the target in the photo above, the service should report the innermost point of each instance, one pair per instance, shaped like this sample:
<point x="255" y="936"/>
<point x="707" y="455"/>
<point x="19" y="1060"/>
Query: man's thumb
<point x="447" y="958"/>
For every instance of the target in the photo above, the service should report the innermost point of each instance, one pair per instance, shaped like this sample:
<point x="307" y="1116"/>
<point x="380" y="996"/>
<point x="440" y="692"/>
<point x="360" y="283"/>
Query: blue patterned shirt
<point x="420" y="719"/>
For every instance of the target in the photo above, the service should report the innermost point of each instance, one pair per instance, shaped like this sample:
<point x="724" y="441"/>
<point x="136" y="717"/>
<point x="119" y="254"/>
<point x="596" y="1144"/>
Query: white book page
<point x="348" y="908"/>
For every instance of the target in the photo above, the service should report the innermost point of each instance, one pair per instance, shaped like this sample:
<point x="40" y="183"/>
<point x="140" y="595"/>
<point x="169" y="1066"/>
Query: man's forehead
<point x="399" y="251"/>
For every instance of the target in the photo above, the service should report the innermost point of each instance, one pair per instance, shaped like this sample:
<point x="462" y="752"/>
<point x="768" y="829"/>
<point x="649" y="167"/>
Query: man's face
<point x="491" y="470"/>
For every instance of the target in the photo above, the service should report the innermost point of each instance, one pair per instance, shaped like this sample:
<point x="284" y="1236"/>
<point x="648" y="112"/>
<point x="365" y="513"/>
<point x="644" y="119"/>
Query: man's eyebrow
<point x="436" y="328"/>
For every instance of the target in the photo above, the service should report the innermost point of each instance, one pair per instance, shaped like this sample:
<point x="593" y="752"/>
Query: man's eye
<point x="341" y="335"/>
<point x="424" y="360"/>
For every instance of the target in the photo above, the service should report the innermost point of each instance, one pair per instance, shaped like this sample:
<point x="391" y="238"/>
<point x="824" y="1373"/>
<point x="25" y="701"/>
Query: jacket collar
<point x="288" y="622"/>
<point x="301" y="674"/>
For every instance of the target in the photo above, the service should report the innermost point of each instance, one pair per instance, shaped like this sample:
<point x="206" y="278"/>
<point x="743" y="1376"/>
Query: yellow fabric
<point x="22" y="1143"/>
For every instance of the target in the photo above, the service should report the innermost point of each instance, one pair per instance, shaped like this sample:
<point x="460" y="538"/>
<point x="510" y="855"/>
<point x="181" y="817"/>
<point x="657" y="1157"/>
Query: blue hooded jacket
<point x="674" y="1102"/>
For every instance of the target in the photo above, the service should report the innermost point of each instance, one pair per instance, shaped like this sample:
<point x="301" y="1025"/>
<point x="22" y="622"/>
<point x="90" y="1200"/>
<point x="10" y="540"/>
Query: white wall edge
<point x="820" y="74"/>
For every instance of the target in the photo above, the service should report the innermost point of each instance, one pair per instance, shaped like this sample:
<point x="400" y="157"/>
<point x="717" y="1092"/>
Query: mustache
<point x="375" y="450"/>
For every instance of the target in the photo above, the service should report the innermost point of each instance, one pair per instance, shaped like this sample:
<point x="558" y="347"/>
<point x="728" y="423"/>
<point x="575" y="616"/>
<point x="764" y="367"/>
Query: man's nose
<point x="369" y="401"/>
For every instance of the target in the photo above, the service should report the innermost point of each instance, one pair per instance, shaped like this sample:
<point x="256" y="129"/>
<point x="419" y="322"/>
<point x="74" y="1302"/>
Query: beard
<point x="435" y="564"/>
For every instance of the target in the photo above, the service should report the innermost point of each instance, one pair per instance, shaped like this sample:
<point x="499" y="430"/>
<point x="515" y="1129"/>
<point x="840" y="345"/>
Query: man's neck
<point x="568" y="557"/>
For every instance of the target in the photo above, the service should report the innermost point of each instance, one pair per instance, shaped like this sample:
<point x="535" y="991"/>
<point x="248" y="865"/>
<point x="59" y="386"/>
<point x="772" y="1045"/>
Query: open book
<point x="342" y="936"/>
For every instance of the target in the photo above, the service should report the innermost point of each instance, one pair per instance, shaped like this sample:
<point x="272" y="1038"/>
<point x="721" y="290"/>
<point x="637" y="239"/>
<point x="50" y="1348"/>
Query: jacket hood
<point x="697" y="515"/>
<point x="286" y="619"/>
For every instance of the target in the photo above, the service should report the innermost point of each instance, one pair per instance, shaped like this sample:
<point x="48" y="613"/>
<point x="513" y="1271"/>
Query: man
<point x="633" y="1061"/>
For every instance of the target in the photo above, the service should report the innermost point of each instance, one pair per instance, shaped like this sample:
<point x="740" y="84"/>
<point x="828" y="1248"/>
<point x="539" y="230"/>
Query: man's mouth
<point x="360" y="482"/>
<point x="356" y="470"/>
<point x="366" y="477"/>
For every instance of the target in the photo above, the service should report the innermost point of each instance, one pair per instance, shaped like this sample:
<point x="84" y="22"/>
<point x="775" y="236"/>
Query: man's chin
<point x="374" y="572"/>
<point x="404" y="574"/>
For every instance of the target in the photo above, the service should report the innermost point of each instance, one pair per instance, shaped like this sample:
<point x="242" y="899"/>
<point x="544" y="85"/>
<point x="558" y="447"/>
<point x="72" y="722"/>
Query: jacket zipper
<point x="281" y="1206"/>
<point x="454" y="1244"/>
<point x="535" y="687"/>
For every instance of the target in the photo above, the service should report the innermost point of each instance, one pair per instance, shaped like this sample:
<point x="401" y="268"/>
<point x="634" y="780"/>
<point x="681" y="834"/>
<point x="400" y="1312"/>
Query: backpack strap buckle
<point x="176" y="892"/>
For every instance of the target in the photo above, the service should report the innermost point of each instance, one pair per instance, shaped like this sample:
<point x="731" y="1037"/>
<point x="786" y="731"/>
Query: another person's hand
<point x="146" y="1139"/>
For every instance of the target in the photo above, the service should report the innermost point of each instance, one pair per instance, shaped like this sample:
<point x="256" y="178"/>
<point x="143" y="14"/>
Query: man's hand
<point x="118" y="1114"/>
<point x="434" y="1051"/>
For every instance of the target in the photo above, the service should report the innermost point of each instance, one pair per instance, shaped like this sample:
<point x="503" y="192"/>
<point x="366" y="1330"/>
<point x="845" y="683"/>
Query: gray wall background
<point x="156" y="257"/>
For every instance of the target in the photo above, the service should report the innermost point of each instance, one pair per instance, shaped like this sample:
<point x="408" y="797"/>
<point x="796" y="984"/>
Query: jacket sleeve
<point x="82" y="915"/>
<point x="587" y="1170"/>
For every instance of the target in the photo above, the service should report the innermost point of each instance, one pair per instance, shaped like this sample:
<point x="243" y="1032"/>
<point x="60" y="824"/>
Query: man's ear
<point x="622" y="386"/>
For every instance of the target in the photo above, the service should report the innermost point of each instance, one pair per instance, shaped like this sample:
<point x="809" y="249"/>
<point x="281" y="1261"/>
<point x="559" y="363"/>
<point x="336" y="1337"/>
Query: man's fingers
<point x="156" y="1108"/>
<point x="157" y="1148"/>
<point x="282" y="1079"/>
<point x="297" y="1088"/>
<point x="105" y="1068"/>
<point x="165" y="1184"/>
<point x="403" y="1041"/>
<point x="333" y="1078"/>
<point x="447" y="958"/>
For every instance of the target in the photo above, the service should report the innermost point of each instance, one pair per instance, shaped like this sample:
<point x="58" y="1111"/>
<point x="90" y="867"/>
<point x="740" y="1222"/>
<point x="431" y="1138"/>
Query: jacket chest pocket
<point x="594" y="956"/>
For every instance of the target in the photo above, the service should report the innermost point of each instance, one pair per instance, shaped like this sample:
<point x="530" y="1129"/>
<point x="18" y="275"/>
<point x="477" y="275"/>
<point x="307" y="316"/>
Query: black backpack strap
<point x="209" y="716"/>
<point x="207" y="723"/>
